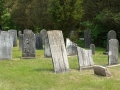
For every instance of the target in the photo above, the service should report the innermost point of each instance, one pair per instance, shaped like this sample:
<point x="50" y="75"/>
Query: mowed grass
<point x="38" y="74"/>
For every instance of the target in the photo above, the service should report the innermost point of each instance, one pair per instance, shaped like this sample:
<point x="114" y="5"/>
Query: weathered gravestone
<point x="47" y="51"/>
<point x="100" y="70"/>
<point x="14" y="36"/>
<point x="39" y="44"/>
<point x="113" y="51"/>
<point x="20" y="41"/>
<point x="71" y="47"/>
<point x="19" y="32"/>
<point x="92" y="48"/>
<point x="111" y="35"/>
<point x="43" y="32"/>
<point x="6" y="45"/>
<point x="85" y="58"/>
<point x="58" y="51"/>
<point x="87" y="38"/>
<point x="28" y="47"/>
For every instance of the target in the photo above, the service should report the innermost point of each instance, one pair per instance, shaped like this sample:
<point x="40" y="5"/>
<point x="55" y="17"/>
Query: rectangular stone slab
<point x="58" y="51"/>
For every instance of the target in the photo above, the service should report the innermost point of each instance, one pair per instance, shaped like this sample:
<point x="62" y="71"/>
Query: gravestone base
<point x="86" y="68"/>
<point x="28" y="57"/>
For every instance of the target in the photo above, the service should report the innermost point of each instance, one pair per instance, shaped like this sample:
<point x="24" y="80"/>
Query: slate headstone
<point x="39" y="44"/>
<point x="58" y="51"/>
<point x="87" y="38"/>
<point x="28" y="47"/>
<point x="14" y="36"/>
<point x="20" y="41"/>
<point x="113" y="51"/>
<point x="6" y="45"/>
<point x="84" y="58"/>
<point x="71" y="47"/>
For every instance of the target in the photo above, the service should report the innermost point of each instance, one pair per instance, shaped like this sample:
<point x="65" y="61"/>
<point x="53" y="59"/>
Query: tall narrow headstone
<point x="14" y="36"/>
<point x="20" y="41"/>
<point x="28" y="47"/>
<point x="71" y="47"/>
<point x="84" y="58"/>
<point x="47" y="51"/>
<point x="43" y="32"/>
<point x="59" y="55"/>
<point x="113" y="51"/>
<point x="39" y="44"/>
<point x="6" y="45"/>
<point x="92" y="48"/>
<point x="87" y="38"/>
<point x="19" y="32"/>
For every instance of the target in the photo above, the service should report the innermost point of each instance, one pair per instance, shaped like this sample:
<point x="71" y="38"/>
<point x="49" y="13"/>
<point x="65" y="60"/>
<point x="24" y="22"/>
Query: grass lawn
<point x="38" y="74"/>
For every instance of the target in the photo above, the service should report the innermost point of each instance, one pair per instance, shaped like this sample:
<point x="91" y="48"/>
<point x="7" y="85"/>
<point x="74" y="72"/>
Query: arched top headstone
<point x="111" y="34"/>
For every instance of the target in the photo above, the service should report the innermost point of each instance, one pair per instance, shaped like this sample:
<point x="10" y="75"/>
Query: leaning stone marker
<point x="47" y="51"/>
<point x="113" y="51"/>
<point x="87" y="38"/>
<point x="58" y="51"/>
<point x="84" y="58"/>
<point x="28" y="47"/>
<point x="6" y="45"/>
<point x="71" y="47"/>
<point x="100" y="70"/>
<point x="92" y="48"/>
<point x="14" y="36"/>
<point x="39" y="44"/>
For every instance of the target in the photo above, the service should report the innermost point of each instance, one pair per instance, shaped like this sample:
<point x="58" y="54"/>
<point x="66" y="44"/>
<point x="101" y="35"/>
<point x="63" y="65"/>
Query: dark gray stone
<point x="28" y="47"/>
<point x="47" y="51"/>
<point x="6" y="45"/>
<point x="43" y="32"/>
<point x="113" y="51"/>
<point x="102" y="71"/>
<point x="39" y="44"/>
<point x="84" y="58"/>
<point x="87" y="38"/>
<point x="58" y="51"/>
<point x="92" y="48"/>
<point x="14" y="36"/>
<point x="20" y="41"/>
<point x="71" y="47"/>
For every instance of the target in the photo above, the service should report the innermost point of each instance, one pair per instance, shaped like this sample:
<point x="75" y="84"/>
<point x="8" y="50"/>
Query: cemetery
<point x="31" y="64"/>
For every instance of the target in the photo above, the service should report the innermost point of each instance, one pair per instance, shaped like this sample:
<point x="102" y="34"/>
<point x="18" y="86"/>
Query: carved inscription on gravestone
<point x="28" y="44"/>
<point x="6" y="45"/>
<point x="59" y="55"/>
<point x="113" y="51"/>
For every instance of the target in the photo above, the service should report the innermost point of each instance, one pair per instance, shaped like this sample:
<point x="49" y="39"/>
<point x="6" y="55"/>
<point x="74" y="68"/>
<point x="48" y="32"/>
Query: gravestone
<point x="100" y="70"/>
<point x="58" y="51"/>
<point x="28" y="47"/>
<point x="84" y="58"/>
<point x="47" y="51"/>
<point x="6" y="45"/>
<point x="14" y="36"/>
<point x="87" y="38"/>
<point x="92" y="48"/>
<point x="20" y="41"/>
<point x="43" y="32"/>
<point x="113" y="51"/>
<point x="71" y="47"/>
<point x="19" y="32"/>
<point x="111" y="35"/>
<point x="39" y="44"/>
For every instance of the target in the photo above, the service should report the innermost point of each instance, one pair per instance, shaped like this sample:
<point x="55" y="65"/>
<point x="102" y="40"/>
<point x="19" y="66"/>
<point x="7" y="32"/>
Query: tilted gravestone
<point x="111" y="35"/>
<point x="43" y="32"/>
<point x="20" y="41"/>
<point x="28" y="47"/>
<point x="47" y="51"/>
<point x="113" y="51"/>
<point x="39" y="44"/>
<point x="58" y="51"/>
<point x="14" y="36"/>
<point x="6" y="45"/>
<point x="87" y="38"/>
<point x="84" y="58"/>
<point x="71" y="47"/>
<point x="92" y="48"/>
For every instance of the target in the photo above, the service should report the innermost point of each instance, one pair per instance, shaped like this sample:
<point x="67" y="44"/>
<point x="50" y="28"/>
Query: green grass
<point x="38" y="74"/>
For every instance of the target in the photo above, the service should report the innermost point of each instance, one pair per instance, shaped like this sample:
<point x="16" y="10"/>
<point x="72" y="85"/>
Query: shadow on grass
<point x="43" y="70"/>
